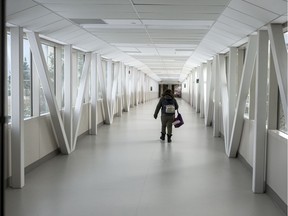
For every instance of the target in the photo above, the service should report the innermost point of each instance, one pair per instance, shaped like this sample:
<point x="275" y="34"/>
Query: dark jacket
<point x="164" y="100"/>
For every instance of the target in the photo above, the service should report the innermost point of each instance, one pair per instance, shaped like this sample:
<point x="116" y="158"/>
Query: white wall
<point x="185" y="91"/>
<point x="276" y="157"/>
<point x="247" y="139"/>
<point x="277" y="164"/>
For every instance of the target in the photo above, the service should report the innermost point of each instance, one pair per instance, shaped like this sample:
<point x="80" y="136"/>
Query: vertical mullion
<point x="17" y="120"/>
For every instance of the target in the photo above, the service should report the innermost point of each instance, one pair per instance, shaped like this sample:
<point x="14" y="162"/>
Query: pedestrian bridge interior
<point x="83" y="81"/>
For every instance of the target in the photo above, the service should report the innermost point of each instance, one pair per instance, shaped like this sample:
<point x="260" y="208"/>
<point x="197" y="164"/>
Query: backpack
<point x="168" y="106"/>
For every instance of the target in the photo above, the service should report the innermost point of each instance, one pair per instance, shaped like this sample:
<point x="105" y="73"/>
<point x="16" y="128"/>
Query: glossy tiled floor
<point x="126" y="171"/>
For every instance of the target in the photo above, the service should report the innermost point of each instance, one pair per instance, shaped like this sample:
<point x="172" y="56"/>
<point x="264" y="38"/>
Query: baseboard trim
<point x="279" y="202"/>
<point x="42" y="160"/>
<point x="269" y="191"/>
<point x="245" y="162"/>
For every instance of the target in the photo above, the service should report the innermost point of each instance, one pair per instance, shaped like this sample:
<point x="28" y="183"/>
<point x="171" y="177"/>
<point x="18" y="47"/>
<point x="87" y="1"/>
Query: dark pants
<point x="167" y="122"/>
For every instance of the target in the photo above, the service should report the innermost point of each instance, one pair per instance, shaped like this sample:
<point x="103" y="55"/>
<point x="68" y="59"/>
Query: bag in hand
<point x="178" y="120"/>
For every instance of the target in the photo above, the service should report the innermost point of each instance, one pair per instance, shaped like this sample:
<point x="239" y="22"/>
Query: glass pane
<point x="281" y="118"/>
<point x="27" y="79"/>
<point x="49" y="54"/>
<point x="9" y="74"/>
<point x="246" y="112"/>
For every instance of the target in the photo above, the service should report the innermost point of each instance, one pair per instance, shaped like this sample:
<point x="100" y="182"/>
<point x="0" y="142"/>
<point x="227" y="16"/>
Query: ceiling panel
<point x="15" y="6"/>
<point x="198" y="9"/>
<point x="68" y="2"/>
<point x="27" y="15"/>
<point x="252" y="10"/>
<point x="275" y="6"/>
<point x="96" y="8"/>
<point x="181" y="2"/>
<point x="45" y="20"/>
<point x="92" y="15"/>
<point x="238" y="16"/>
<point x="53" y="27"/>
<point x="178" y="16"/>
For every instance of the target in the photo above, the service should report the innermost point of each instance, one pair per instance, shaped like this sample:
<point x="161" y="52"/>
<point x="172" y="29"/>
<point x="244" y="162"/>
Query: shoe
<point x="169" y="138"/>
<point x="162" y="136"/>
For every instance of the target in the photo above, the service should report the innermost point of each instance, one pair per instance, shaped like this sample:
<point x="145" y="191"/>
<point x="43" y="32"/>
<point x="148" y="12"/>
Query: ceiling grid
<point x="165" y="38"/>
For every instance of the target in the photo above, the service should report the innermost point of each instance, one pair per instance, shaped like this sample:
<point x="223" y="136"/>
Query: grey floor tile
<point x="126" y="171"/>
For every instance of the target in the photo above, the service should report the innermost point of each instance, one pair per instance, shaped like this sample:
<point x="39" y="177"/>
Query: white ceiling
<point x="163" y="38"/>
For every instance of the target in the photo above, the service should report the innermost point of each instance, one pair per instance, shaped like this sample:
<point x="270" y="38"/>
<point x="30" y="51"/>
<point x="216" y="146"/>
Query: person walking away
<point x="168" y="105"/>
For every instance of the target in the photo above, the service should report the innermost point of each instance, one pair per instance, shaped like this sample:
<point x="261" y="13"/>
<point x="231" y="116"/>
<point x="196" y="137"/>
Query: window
<point x="49" y="54"/>
<point x="9" y="99"/>
<point x="27" y="81"/>
<point x="281" y="118"/>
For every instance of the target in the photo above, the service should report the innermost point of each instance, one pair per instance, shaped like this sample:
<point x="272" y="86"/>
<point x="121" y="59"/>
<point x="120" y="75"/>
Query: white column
<point x="201" y="82"/>
<point x="260" y="138"/>
<point x="242" y="95"/>
<point x="209" y="98"/>
<point x="68" y="99"/>
<point x="252" y="96"/>
<point x="42" y="69"/>
<point x="224" y="98"/>
<point x="58" y="75"/>
<point x="216" y="117"/>
<point x="197" y="89"/>
<point x="94" y="94"/>
<point x="17" y="117"/>
<point x="273" y="97"/>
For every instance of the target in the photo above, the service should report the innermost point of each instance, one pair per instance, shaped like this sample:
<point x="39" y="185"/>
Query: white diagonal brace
<point x="114" y="88"/>
<point x="232" y="88"/>
<point x="224" y="98"/>
<point x="103" y="85"/>
<point x="68" y="99"/>
<point x="94" y="94"/>
<point x="279" y="53"/>
<point x="126" y="89"/>
<point x="209" y="98"/>
<point x="17" y="117"/>
<point x="42" y="69"/>
<point x="80" y="97"/>
<point x="242" y="95"/>
<point x="259" y="153"/>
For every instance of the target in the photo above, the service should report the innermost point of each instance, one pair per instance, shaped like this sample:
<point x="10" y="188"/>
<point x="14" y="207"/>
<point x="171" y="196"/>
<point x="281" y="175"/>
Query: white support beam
<point x="68" y="96"/>
<point x="119" y="95"/>
<point x="42" y="69"/>
<point x="103" y="84"/>
<point x="80" y="98"/>
<point x="242" y="95"/>
<point x="232" y="88"/>
<point x="209" y="98"/>
<point x="203" y="70"/>
<point x="126" y="89"/>
<point x="17" y="118"/>
<point x="114" y="87"/>
<point x="279" y="52"/>
<point x="273" y="97"/>
<point x="260" y="138"/>
<point x="36" y="90"/>
<point x="94" y="94"/>
<point x="216" y="116"/>
<point x="224" y="98"/>
<point x="252" y="95"/>
<point x="197" y="89"/>
<point x="58" y="75"/>
<point x="193" y="98"/>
